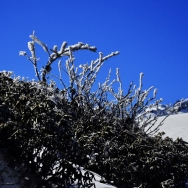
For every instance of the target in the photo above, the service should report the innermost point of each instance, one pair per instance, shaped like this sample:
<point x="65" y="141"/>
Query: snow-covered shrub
<point x="47" y="131"/>
<point x="183" y="105"/>
<point x="38" y="136"/>
<point x="133" y="104"/>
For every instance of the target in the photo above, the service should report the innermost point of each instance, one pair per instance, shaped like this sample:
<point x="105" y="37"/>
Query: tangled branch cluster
<point x="53" y="132"/>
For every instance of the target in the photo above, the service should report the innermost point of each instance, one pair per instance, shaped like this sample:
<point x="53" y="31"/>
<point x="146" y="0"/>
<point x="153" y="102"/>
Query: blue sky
<point x="152" y="37"/>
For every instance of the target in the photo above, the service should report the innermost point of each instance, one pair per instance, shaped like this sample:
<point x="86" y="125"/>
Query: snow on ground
<point x="8" y="179"/>
<point x="98" y="184"/>
<point x="174" y="126"/>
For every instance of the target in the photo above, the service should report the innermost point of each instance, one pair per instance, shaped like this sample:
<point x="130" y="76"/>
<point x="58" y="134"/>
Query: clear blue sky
<point x="152" y="37"/>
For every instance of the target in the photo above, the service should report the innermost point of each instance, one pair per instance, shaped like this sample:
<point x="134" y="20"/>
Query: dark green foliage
<point x="46" y="134"/>
<point x="34" y="133"/>
<point x="35" y="130"/>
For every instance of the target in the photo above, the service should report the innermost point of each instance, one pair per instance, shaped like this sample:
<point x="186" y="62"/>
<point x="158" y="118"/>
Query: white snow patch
<point x="175" y="126"/>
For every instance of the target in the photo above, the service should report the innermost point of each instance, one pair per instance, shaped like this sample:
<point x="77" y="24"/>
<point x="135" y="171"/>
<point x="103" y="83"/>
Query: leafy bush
<point x="49" y="133"/>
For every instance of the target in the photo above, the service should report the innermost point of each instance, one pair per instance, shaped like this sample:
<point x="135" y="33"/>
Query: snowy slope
<point x="175" y="126"/>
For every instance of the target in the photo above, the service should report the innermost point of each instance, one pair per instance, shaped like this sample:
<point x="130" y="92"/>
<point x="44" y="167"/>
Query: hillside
<point x="63" y="138"/>
<point x="176" y="126"/>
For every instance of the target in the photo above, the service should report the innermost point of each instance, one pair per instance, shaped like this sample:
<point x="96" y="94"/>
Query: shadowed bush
<point x="49" y="133"/>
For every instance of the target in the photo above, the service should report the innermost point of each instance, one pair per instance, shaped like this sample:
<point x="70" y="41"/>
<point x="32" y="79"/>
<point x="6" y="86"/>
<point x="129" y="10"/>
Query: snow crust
<point x="175" y="126"/>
